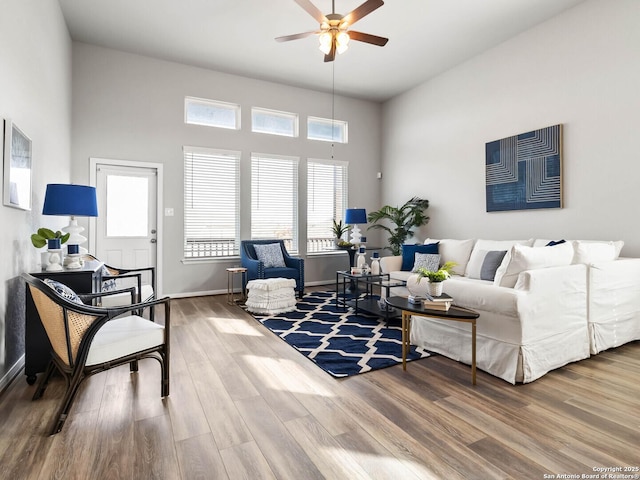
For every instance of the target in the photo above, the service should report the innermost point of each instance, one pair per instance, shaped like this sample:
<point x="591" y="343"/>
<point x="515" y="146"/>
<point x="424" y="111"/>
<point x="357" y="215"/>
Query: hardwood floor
<point x="245" y="405"/>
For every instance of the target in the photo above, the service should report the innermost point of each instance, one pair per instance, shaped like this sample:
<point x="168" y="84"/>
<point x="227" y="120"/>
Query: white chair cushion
<point x="123" y="336"/>
<point x="120" y="299"/>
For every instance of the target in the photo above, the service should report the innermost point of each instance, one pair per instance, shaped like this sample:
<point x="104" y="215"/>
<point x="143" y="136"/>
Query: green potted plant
<point x="43" y="235"/>
<point x="403" y="219"/>
<point x="436" y="277"/>
<point x="339" y="229"/>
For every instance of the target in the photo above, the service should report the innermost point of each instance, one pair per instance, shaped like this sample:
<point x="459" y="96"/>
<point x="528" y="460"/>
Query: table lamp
<point x="354" y="216"/>
<point x="75" y="201"/>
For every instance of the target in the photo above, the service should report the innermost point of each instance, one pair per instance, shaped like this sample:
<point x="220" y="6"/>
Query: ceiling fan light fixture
<point x="334" y="34"/>
<point x="342" y="42"/>
<point x="326" y="39"/>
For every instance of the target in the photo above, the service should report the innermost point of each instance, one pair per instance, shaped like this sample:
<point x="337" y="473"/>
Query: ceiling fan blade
<point x="365" y="9"/>
<point x="312" y="10"/>
<point x="330" y="57"/>
<point x="368" y="38"/>
<point x="297" y="36"/>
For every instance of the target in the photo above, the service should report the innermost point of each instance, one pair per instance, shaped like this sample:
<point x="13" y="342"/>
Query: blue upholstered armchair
<point x="293" y="266"/>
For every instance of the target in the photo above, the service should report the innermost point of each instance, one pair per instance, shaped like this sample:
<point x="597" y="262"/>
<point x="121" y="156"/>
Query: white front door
<point x="126" y="229"/>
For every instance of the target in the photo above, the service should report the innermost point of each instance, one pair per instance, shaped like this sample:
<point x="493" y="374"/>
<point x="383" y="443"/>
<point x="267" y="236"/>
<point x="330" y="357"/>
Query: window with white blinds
<point x="274" y="199"/>
<point x="211" y="203"/>
<point x="326" y="200"/>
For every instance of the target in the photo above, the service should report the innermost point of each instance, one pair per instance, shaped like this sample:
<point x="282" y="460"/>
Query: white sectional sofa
<point x="541" y="308"/>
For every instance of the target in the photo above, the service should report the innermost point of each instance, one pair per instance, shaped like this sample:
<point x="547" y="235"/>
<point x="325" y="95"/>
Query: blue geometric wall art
<point x="525" y="171"/>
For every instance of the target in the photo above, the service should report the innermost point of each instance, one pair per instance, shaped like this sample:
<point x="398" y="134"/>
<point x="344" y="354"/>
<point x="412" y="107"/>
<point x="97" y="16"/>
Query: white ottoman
<point x="271" y="296"/>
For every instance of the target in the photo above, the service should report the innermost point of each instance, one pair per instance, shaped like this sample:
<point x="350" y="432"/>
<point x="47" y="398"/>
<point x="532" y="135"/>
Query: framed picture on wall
<point x="17" y="167"/>
<point x="524" y="171"/>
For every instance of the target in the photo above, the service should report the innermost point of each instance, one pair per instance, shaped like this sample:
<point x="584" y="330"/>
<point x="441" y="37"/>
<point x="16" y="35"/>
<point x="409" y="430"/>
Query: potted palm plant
<point x="403" y="219"/>
<point x="436" y="277"/>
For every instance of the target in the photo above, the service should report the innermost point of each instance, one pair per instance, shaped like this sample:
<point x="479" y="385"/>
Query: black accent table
<point x="457" y="314"/>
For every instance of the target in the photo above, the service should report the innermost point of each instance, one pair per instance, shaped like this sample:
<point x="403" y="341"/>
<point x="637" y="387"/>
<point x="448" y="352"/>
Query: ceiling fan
<point x="334" y="33"/>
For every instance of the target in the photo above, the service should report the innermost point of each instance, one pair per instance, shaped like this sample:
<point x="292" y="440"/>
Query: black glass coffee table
<point x="457" y="314"/>
<point x="364" y="300"/>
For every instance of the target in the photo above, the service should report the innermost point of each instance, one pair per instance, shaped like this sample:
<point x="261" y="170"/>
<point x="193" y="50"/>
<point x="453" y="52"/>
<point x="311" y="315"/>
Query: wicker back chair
<point x="86" y="340"/>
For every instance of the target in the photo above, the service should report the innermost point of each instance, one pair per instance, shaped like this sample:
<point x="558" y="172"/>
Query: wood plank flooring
<point x="245" y="405"/>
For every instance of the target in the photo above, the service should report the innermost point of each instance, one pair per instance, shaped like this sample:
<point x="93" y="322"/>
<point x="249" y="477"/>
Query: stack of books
<point x="442" y="302"/>
<point x="415" y="299"/>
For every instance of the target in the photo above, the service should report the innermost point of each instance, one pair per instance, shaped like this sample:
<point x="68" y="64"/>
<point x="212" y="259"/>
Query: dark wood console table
<point x="36" y="343"/>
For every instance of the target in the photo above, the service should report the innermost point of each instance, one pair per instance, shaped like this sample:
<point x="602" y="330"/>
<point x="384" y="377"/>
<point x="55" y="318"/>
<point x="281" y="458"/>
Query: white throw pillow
<point x="592" y="252"/>
<point x="270" y="254"/>
<point x="479" y="251"/>
<point x="618" y="244"/>
<point x="524" y="258"/>
<point x="430" y="261"/>
<point x="541" y="242"/>
<point x="457" y="251"/>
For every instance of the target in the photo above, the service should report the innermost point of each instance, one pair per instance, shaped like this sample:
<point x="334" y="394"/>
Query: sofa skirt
<point x="508" y="361"/>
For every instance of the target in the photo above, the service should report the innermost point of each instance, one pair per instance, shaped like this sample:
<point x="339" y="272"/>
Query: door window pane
<point x="127" y="206"/>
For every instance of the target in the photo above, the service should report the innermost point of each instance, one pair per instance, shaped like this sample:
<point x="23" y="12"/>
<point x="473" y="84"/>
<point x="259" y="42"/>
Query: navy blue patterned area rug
<point x="337" y="340"/>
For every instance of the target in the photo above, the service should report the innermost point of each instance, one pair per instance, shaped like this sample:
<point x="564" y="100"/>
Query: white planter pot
<point x="435" y="289"/>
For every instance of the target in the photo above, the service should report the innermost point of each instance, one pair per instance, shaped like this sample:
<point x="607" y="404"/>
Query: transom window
<point x="274" y="122"/>
<point x="327" y="130"/>
<point x="212" y="113"/>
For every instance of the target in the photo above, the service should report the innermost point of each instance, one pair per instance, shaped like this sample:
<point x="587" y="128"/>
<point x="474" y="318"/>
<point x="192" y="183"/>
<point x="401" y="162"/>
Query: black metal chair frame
<point x="116" y="273"/>
<point x="75" y="369"/>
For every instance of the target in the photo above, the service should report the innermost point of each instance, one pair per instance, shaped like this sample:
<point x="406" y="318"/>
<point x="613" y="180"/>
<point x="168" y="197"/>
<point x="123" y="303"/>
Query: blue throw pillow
<point x="110" y="284"/>
<point x="64" y="291"/>
<point x="409" y="254"/>
<point x="554" y="242"/>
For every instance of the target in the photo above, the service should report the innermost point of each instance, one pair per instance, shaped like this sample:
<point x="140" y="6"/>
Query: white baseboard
<point x="11" y="374"/>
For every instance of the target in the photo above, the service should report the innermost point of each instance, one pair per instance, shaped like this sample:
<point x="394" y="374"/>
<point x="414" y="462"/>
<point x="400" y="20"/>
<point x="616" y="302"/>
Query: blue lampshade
<point x="69" y="199"/>
<point x="353" y="216"/>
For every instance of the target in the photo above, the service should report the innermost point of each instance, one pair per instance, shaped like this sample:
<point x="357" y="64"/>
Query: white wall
<point x="131" y="107"/>
<point x="581" y="69"/>
<point x="35" y="92"/>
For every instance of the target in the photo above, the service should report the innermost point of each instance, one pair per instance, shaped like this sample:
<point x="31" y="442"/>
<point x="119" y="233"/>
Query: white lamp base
<point x="356" y="235"/>
<point x="74" y="229"/>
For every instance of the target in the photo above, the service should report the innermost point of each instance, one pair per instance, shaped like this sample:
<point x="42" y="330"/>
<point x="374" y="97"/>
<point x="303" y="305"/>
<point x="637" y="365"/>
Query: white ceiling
<point x="427" y="37"/>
